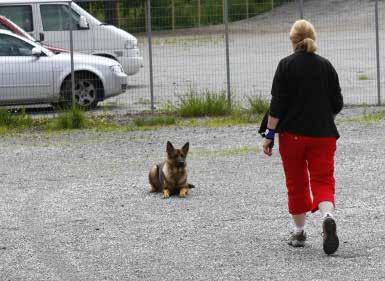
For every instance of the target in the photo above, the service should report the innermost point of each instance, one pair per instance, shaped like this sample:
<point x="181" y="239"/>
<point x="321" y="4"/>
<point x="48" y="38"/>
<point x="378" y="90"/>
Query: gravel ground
<point x="75" y="206"/>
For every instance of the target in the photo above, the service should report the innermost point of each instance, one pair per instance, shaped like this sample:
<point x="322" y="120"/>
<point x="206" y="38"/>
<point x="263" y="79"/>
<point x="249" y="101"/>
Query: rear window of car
<point x="19" y="14"/>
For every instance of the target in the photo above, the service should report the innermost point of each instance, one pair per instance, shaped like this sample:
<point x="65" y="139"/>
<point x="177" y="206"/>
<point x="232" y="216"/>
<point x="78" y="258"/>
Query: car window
<point x="56" y="17"/>
<point x="12" y="46"/>
<point x="19" y="14"/>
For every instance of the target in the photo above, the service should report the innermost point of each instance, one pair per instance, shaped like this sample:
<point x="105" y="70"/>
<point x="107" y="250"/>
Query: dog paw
<point x="183" y="193"/>
<point x="166" y="194"/>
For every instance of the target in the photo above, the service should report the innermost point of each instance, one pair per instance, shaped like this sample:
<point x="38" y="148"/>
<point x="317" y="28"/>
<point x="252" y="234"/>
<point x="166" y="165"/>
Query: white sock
<point x="298" y="229"/>
<point x="326" y="208"/>
<point x="327" y="215"/>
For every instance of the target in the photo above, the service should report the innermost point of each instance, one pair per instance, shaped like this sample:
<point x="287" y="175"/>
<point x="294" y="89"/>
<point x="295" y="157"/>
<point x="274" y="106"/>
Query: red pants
<point x="308" y="160"/>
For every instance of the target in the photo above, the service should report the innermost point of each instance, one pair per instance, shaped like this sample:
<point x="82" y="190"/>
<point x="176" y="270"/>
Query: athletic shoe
<point x="297" y="239"/>
<point x="331" y="242"/>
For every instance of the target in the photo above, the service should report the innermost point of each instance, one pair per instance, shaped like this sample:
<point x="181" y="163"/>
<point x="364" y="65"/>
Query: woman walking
<point x="306" y="96"/>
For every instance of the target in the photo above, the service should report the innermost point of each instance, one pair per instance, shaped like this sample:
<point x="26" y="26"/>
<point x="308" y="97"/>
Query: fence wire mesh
<point x="111" y="49"/>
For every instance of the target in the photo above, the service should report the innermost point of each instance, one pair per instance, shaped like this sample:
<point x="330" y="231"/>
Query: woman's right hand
<point x="267" y="146"/>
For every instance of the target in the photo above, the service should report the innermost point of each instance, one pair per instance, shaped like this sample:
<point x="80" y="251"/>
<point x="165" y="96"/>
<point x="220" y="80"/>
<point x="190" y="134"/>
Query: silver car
<point x="29" y="73"/>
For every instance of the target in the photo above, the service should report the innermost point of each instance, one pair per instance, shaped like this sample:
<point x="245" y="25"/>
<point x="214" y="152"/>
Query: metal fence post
<point x="72" y="54"/>
<point x="247" y="9"/>
<point x="378" y="55"/>
<point x="226" y="19"/>
<point x="300" y="6"/>
<point x="149" y="37"/>
<point x="199" y="13"/>
<point x="173" y="14"/>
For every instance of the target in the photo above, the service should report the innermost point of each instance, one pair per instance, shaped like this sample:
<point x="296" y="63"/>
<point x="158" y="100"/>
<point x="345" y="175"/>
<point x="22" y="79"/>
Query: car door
<point x="23" y="76"/>
<point x="55" y="26"/>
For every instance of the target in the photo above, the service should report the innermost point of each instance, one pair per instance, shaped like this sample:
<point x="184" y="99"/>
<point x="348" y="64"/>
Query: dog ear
<point x="185" y="148"/>
<point x="170" y="147"/>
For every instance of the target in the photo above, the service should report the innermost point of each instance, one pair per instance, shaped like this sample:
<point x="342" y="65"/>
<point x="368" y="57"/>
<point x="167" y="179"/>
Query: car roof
<point x="32" y="1"/>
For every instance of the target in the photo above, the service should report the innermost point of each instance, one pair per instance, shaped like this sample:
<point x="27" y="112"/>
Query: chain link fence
<point x="145" y="55"/>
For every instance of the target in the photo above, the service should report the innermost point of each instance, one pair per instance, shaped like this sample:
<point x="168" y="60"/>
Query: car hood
<point x="124" y="35"/>
<point x="112" y="38"/>
<point x="80" y="58"/>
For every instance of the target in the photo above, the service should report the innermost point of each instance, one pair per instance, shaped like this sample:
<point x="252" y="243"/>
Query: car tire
<point x="88" y="90"/>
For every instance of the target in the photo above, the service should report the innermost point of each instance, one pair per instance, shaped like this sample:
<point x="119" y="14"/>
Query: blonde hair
<point x="302" y="36"/>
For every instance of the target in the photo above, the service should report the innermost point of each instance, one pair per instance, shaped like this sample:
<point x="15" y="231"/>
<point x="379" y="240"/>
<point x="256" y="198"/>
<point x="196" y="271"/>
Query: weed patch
<point x="205" y="104"/>
<point x="74" y="118"/>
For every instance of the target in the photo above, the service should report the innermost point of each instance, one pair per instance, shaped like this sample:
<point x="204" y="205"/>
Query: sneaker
<point x="297" y="239"/>
<point x="331" y="241"/>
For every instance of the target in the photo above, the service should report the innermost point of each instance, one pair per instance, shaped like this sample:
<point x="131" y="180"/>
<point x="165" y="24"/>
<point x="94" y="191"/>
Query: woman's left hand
<point x="267" y="147"/>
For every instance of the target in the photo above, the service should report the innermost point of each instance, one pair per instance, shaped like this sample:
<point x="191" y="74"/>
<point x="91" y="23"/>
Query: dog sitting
<point x="170" y="176"/>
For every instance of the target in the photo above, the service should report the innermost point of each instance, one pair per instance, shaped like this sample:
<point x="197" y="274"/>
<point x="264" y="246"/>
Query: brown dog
<point x="170" y="177"/>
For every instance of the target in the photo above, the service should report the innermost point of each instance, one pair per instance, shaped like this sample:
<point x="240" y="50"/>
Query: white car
<point x="49" y="21"/>
<point x="30" y="73"/>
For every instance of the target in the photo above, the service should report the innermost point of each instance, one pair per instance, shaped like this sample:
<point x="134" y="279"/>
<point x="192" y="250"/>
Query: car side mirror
<point x="37" y="52"/>
<point x="41" y="37"/>
<point x="83" y="24"/>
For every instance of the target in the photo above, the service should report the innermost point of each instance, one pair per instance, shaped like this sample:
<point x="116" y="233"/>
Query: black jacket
<point x="306" y="96"/>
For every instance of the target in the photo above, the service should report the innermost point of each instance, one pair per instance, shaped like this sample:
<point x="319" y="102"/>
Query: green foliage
<point x="208" y="103"/>
<point x="258" y="105"/>
<point x="73" y="118"/>
<point x="167" y="14"/>
<point x="15" y="120"/>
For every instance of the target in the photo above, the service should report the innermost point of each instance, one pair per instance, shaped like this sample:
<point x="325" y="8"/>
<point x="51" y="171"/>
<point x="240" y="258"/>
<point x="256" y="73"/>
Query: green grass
<point x="207" y="109"/>
<point x="154" y="121"/>
<point x="73" y="118"/>
<point x="18" y="120"/>
<point x="369" y="117"/>
<point x="207" y="103"/>
<point x="228" y="152"/>
<point x="258" y="105"/>
<point x="363" y="77"/>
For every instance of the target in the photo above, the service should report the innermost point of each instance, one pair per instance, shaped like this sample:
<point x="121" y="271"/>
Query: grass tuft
<point x="14" y="120"/>
<point x="373" y="117"/>
<point x="258" y="105"/>
<point x="206" y="104"/>
<point x="73" y="118"/>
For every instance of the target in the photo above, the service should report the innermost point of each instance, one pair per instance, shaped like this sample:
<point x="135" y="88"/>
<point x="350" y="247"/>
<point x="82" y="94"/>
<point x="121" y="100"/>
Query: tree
<point x="111" y="12"/>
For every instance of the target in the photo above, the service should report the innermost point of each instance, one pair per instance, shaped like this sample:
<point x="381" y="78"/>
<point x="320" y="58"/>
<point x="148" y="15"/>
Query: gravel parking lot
<point x="75" y="206"/>
<point x="195" y="58"/>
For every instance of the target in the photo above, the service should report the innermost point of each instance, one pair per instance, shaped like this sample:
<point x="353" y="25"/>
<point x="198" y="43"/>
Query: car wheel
<point x="87" y="91"/>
